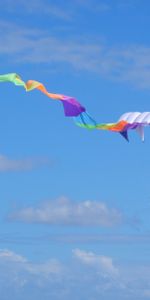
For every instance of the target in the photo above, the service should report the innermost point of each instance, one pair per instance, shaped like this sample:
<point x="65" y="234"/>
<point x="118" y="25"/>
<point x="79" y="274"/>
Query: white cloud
<point x="8" y="164"/>
<point x="51" y="266"/>
<point x="24" y="279"/>
<point x="102" y="263"/>
<point x="66" y="212"/>
<point x="97" y="278"/>
<point x="8" y="255"/>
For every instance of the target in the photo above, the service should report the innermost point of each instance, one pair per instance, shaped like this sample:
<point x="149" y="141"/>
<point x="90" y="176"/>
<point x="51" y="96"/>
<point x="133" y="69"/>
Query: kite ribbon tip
<point x="125" y="135"/>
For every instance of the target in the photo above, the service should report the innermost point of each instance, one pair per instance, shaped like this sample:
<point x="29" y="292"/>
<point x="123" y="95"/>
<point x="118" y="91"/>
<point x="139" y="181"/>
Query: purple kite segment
<point x="72" y="107"/>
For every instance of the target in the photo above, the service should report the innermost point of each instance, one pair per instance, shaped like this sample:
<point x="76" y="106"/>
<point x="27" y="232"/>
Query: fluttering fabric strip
<point x="72" y="108"/>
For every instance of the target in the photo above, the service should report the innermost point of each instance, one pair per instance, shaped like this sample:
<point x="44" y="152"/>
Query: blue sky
<point x="74" y="212"/>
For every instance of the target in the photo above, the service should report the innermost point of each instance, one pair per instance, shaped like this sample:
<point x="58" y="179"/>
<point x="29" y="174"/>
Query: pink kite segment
<point x="72" y="108"/>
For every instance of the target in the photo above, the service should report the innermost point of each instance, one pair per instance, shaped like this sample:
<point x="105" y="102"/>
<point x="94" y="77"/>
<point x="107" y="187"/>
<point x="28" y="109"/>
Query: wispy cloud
<point x="94" y="5"/>
<point x="121" y="63"/>
<point x="8" y="164"/>
<point x="8" y="255"/>
<point x="66" y="212"/>
<point x="146" y="293"/>
<point x="36" y="7"/>
<point x="21" y="278"/>
<point x="117" y="239"/>
<point x="63" y="11"/>
<point x="50" y="267"/>
<point x="100" y="262"/>
<point x="74" y="239"/>
<point x="96" y="276"/>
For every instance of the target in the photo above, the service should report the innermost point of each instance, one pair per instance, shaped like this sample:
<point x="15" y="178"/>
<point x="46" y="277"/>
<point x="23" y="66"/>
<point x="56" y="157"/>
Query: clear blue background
<point x="98" y="52"/>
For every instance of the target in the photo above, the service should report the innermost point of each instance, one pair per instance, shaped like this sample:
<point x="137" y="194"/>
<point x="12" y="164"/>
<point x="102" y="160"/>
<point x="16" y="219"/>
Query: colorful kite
<point x="72" y="108"/>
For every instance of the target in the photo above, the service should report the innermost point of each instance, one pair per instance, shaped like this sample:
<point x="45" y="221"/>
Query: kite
<point x="72" y="108"/>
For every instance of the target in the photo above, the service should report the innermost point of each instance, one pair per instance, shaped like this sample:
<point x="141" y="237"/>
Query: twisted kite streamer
<point x="72" y="108"/>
